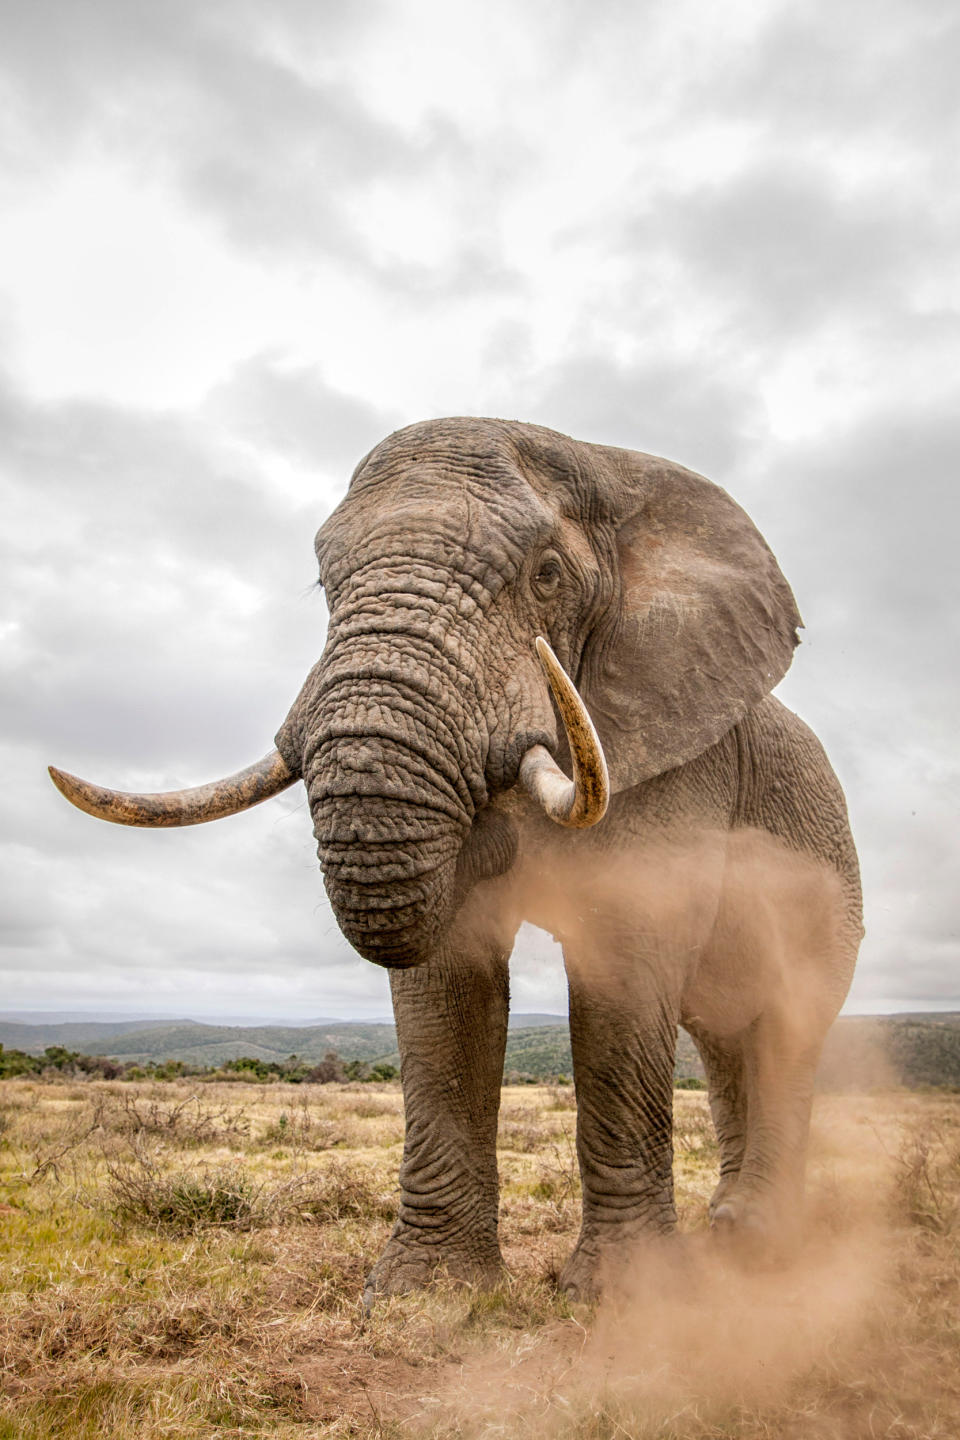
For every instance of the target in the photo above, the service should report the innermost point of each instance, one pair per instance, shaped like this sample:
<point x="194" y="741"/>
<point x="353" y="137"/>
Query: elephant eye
<point x="548" y="575"/>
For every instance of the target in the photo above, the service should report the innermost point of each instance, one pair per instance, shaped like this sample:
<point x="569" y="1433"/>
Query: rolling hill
<point x="861" y="1052"/>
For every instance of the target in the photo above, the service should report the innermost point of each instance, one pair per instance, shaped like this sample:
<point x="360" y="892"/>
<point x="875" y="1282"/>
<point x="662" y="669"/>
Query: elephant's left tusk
<point x="180" y="807"/>
<point x="583" y="800"/>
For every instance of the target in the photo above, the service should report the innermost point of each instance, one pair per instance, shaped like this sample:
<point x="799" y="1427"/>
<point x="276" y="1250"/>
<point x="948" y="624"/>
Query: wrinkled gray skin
<point x="720" y="891"/>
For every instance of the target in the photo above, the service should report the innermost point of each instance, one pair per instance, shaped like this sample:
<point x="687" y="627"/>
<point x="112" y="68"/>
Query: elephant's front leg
<point x="623" y="1033"/>
<point x="451" y="1016"/>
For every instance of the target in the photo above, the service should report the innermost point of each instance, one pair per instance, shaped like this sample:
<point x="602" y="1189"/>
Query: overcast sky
<point x="241" y="242"/>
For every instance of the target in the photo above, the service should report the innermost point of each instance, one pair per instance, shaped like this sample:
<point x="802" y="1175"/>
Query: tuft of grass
<point x="517" y="1303"/>
<point x="182" y="1202"/>
<point x="300" y="1128"/>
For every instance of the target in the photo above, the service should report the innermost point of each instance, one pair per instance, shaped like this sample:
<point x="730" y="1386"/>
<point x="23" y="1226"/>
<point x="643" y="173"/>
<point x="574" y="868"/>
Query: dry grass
<point x="183" y="1264"/>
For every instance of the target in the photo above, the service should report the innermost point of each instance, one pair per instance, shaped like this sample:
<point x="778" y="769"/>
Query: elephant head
<point x="461" y="547"/>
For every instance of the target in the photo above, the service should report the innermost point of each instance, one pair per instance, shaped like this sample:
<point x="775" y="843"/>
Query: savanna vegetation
<point x="185" y="1260"/>
<point x="57" y="1062"/>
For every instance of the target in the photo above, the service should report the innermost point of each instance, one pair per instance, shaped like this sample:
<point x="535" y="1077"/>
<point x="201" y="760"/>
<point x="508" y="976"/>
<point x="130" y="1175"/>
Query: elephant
<point x="545" y="695"/>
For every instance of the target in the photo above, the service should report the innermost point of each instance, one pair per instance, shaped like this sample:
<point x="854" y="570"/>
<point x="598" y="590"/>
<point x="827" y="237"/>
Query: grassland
<point x="181" y="1261"/>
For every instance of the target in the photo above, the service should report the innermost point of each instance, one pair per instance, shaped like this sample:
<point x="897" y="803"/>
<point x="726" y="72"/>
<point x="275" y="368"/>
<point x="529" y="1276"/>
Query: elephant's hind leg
<point x="723" y="1062"/>
<point x="451" y="1016"/>
<point x="764" y="1203"/>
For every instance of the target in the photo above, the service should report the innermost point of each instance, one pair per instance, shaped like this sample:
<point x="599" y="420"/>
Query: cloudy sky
<point x="241" y="242"/>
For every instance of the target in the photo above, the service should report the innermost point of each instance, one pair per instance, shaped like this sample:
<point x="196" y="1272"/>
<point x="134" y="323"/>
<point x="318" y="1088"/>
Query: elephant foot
<point x="613" y="1267"/>
<point x="725" y="1189"/>
<point x="756" y="1228"/>
<point x="581" y="1279"/>
<point x="409" y="1263"/>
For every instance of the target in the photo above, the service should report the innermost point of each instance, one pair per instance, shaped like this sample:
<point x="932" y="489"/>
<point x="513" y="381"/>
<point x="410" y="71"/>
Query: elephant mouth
<point x="392" y="918"/>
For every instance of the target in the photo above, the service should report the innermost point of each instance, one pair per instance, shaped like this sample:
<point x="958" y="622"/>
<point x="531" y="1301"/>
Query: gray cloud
<point x="885" y="72"/>
<point x="208" y="96"/>
<point x="787" y="252"/>
<point x="686" y="409"/>
<point x="160" y="588"/>
<point x="292" y="411"/>
<point x="867" y="527"/>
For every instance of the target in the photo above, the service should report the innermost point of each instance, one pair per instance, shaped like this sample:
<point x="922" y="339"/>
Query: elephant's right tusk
<point x="582" y="801"/>
<point x="180" y="807"/>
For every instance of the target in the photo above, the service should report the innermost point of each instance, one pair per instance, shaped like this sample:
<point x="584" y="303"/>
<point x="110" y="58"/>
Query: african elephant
<point x="720" y="890"/>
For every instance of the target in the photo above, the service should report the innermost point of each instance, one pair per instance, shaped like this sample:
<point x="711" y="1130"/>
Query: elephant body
<point x="722" y="895"/>
<point x="719" y="891"/>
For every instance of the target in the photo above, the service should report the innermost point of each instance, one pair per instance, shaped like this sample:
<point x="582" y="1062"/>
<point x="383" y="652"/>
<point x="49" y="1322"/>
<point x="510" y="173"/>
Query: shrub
<point x="17" y="1062"/>
<point x="179" y="1202"/>
<point x="189" y="1120"/>
<point x="330" y="1068"/>
<point x="927" y="1180"/>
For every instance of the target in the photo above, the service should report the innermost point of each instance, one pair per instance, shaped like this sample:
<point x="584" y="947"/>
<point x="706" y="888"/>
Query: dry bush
<point x="141" y="1191"/>
<point x="693" y="1132"/>
<point x="188" y="1120"/>
<point x="525" y="1130"/>
<point x="184" y="1121"/>
<point x="180" y="1202"/>
<point x="52" y="1151"/>
<point x="557" y="1187"/>
<point x="302" y="1129"/>
<point x="337" y="1193"/>
<point x="524" y="1138"/>
<point x="927" y="1179"/>
<point x="562" y="1097"/>
<point x="369" y="1107"/>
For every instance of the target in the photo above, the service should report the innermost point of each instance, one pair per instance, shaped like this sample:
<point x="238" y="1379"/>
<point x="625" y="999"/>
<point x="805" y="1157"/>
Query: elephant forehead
<point x="460" y="537"/>
<point x="481" y="522"/>
<point x="464" y="442"/>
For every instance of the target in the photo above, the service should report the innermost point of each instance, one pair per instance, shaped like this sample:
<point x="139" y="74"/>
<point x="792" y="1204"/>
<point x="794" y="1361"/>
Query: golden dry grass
<point x="183" y="1261"/>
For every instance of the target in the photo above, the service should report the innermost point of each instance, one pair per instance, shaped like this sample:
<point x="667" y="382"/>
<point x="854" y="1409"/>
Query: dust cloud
<point x="690" y="1336"/>
<point x="690" y="1332"/>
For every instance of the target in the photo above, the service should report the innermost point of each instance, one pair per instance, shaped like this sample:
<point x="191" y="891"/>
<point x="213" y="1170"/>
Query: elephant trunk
<point x="392" y="895"/>
<point x="394" y="780"/>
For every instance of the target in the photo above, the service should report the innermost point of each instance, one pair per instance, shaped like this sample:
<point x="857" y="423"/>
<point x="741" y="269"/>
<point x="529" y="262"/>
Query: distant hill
<point x="211" y="1044"/>
<point x="110" y="1036"/>
<point x="861" y="1051"/>
<point x="537" y="1044"/>
<point x="87" y="1036"/>
<point x="876" y="1050"/>
<point x="522" y="1020"/>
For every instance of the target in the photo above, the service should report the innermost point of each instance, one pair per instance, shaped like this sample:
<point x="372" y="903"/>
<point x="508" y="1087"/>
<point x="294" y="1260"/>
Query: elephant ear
<point x="706" y="624"/>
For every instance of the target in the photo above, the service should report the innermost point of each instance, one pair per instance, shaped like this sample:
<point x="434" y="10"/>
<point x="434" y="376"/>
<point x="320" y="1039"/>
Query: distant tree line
<point x="56" y="1061"/>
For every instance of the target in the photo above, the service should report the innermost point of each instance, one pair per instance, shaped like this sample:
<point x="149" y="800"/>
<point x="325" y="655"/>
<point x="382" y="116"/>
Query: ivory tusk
<point x="180" y="807"/>
<point x="582" y="801"/>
